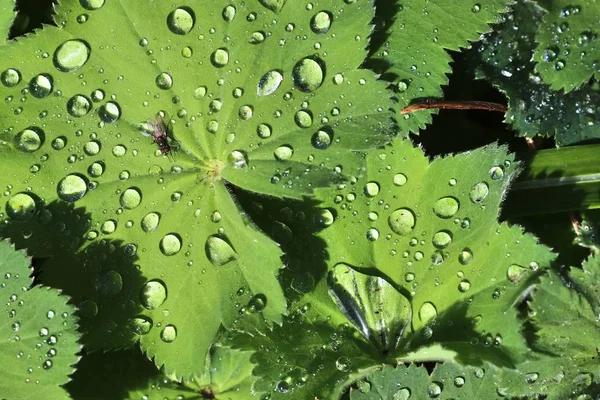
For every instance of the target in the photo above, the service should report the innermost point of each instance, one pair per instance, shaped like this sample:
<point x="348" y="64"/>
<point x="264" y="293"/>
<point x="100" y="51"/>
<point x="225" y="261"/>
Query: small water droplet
<point x="228" y="13"/>
<point x="164" y="81"/>
<point x="303" y="119"/>
<point x="515" y="273"/>
<point x="150" y="222"/>
<point x="10" y="77"/>
<point x="321" y="139"/>
<point x="321" y="22"/>
<point x="283" y="153"/>
<point x="41" y="85"/>
<point x="442" y="239"/>
<point x="168" y="334"/>
<point x="109" y="112"/>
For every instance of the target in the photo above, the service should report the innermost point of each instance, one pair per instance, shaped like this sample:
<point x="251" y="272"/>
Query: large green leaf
<point x="504" y="57"/>
<point x="568" y="52"/>
<point x="431" y="229"/>
<point x="269" y="102"/>
<point x="7" y="16"/>
<point x="415" y="51"/>
<point x="39" y="333"/>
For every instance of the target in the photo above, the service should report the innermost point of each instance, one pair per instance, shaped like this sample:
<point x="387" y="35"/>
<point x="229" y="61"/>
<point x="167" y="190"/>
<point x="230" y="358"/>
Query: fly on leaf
<point x="158" y="130"/>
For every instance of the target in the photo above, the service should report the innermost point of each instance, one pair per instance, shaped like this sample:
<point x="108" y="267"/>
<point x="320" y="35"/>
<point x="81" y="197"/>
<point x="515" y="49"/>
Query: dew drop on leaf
<point x="273" y="5"/>
<point x="150" y="222"/>
<point x="263" y="131"/>
<point x="109" y="112"/>
<point x="321" y="22"/>
<point x="91" y="4"/>
<point x="245" y="112"/>
<point x="237" y="159"/>
<point x="283" y="153"/>
<point x="479" y="192"/>
<point x="21" y="207"/>
<point x="181" y="20"/>
<point x="218" y="251"/>
<point x="153" y="294"/>
<point x="307" y="75"/>
<point x="515" y="273"/>
<point x="79" y="105"/>
<point x="303" y="119"/>
<point x="371" y="189"/>
<point x="71" y="188"/>
<point x="372" y="235"/>
<point x="427" y="312"/>
<point x="109" y="226"/>
<point x="164" y="81"/>
<point x="402" y="221"/>
<point x="496" y="173"/>
<point x="96" y="169"/>
<point x="41" y="85"/>
<point x="256" y="37"/>
<point x="140" y="325"/>
<point x="130" y="198"/>
<point x="442" y="239"/>
<point x="200" y="92"/>
<point x="10" y="77"/>
<point x="321" y="140"/>
<point x="464" y="286"/>
<point x="269" y="83"/>
<point x="220" y="58"/>
<point x="459" y="381"/>
<point x="168" y="334"/>
<point x="434" y="390"/>
<point x="400" y="179"/>
<point x="71" y="55"/>
<point x="465" y="256"/>
<point x="402" y="394"/>
<point x="108" y="283"/>
<point x="88" y="309"/>
<point x="324" y="217"/>
<point x="343" y="364"/>
<point x="229" y="13"/>
<point x="170" y="244"/>
<point x="446" y="207"/>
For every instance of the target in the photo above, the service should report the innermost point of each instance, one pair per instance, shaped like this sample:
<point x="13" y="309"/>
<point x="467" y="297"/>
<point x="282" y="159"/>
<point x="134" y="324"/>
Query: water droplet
<point x="459" y="381"/>
<point x="263" y="131"/>
<point x="321" y="140"/>
<point x="465" y="256"/>
<point x="30" y="139"/>
<point x="245" y="112"/>
<point x="434" y="390"/>
<point x="303" y="119"/>
<point x="150" y="222"/>
<point x="515" y="273"/>
<point x="256" y="37"/>
<point x="269" y="82"/>
<point x="220" y="58"/>
<point x="71" y="188"/>
<point x="96" y="169"/>
<point x="168" y="334"/>
<point x="71" y="55"/>
<point x="476" y="8"/>
<point x="400" y="179"/>
<point x="108" y="226"/>
<point x="307" y="75"/>
<point x="91" y="4"/>
<point x="496" y="173"/>
<point x="181" y="20"/>
<point x="273" y="5"/>
<point x="140" y="325"/>
<point x="108" y="283"/>
<point x="402" y="86"/>
<point x="321" y="22"/>
<point x="464" y="286"/>
<point x="164" y="81"/>
<point x="371" y="189"/>
<point x="446" y="207"/>
<point x="427" y="312"/>
<point x="88" y="309"/>
<point x="228" y="13"/>
<point x="218" y="251"/>
<point x="79" y="105"/>
<point x="41" y="85"/>
<point x="531" y="377"/>
<point x="10" y="77"/>
<point x="238" y="159"/>
<point x="153" y="294"/>
<point x="402" y="221"/>
<point x="130" y="198"/>
<point x="109" y="112"/>
<point x="479" y="192"/>
<point x="343" y="364"/>
<point x="442" y="239"/>
<point x="170" y="244"/>
<point x="372" y="235"/>
<point x="283" y="153"/>
<point x="21" y="207"/>
<point x="402" y="394"/>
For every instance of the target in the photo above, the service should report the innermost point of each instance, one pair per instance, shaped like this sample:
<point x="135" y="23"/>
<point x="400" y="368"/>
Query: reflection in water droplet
<point x="256" y="37"/>
<point x="371" y="189"/>
<point x="283" y="153"/>
<point x="228" y="13"/>
<point x="372" y="235"/>
<point x="30" y="139"/>
<point x="10" y="77"/>
<point x="109" y="283"/>
<point x="402" y="221"/>
<point x="21" y="207"/>
<point x="464" y="286"/>
<point x="321" y="140"/>
<point x="446" y="207"/>
<point x="79" y="105"/>
<point x="321" y="22"/>
<point x="496" y="173"/>
<point x="399" y="179"/>
<point x="465" y="256"/>
<point x="427" y="312"/>
<point x="71" y="55"/>
<point x="479" y="192"/>
<point x="91" y="4"/>
<point x="220" y="58"/>
<point x="131" y="198"/>
<point x="442" y="239"/>
<point x="109" y="112"/>
<point x="71" y="188"/>
<point x="181" y="20"/>
<point x="515" y="273"/>
<point x="263" y="131"/>
<point x="170" y="244"/>
<point x="303" y="119"/>
<point x="218" y="251"/>
<point x="140" y="325"/>
<point x="150" y="222"/>
<point x="269" y="83"/>
<point x="41" y="85"/>
<point x="153" y="294"/>
<point x="168" y="334"/>
<point x="164" y="81"/>
<point x="307" y="75"/>
<point x="237" y="159"/>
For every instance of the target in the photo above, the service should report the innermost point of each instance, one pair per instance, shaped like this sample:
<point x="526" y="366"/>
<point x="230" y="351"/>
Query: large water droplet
<point x="263" y="131"/>
<point x="465" y="256"/>
<point x="515" y="273"/>
<point x="220" y="58"/>
<point x="400" y="179"/>
<point x="21" y="206"/>
<point x="71" y="55"/>
<point x="238" y="159"/>
<point x="446" y="207"/>
<point x="307" y="75"/>
<point x="41" y="85"/>
<point x="268" y="83"/>
<point x="79" y="105"/>
<point x="109" y="283"/>
<point x="71" y="188"/>
<point x="442" y="239"/>
<point x="30" y="139"/>
<point x="164" y="81"/>
<point x="140" y="325"/>
<point x="427" y="312"/>
<point x="402" y="221"/>
<point x="10" y="77"/>
<point x="283" y="153"/>
<point x="91" y="4"/>
<point x="153" y="294"/>
<point x="321" y="139"/>
<point x="228" y="13"/>
<point x="303" y="118"/>
<point x="130" y="198"/>
<point x="479" y="192"/>
<point x="321" y="22"/>
<point x="168" y="334"/>
<point x="218" y="251"/>
<point x="181" y="20"/>
<point x="109" y="112"/>
<point x="371" y="189"/>
<point x="170" y="244"/>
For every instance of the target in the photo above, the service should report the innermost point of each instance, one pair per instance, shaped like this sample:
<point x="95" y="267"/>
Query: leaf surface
<point x="7" y="16"/>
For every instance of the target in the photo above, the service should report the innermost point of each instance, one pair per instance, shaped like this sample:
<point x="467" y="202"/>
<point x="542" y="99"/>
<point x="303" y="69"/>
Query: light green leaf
<point x="568" y="52"/>
<point x="431" y="230"/>
<point x="416" y="48"/>
<point x="39" y="331"/>
<point x="270" y="103"/>
<point x="7" y="16"/>
<point x="504" y="57"/>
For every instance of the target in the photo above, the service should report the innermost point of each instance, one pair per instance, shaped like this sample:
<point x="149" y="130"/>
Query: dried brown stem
<point x="455" y="105"/>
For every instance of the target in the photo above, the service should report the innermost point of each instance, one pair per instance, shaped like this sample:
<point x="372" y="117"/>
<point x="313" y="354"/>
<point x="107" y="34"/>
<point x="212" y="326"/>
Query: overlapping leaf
<point x="270" y="102"/>
<point x="504" y="57"/>
<point x="417" y="44"/>
<point x="431" y="230"/>
<point x="39" y="331"/>
<point x="568" y="52"/>
<point x="7" y="15"/>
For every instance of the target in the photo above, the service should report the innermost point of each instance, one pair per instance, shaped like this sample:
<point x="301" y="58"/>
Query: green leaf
<point x="431" y="230"/>
<point x="40" y="334"/>
<point x="504" y="57"/>
<point x="7" y="16"/>
<point x="447" y="381"/>
<point x="270" y="103"/>
<point x="568" y="52"/>
<point x="416" y="48"/>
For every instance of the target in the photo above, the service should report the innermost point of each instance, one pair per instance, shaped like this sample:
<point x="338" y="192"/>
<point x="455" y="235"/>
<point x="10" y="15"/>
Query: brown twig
<point x="455" y="105"/>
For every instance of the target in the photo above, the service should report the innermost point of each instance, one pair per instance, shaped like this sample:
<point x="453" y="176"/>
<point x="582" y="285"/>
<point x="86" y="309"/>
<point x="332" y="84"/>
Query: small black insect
<point x="158" y="131"/>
